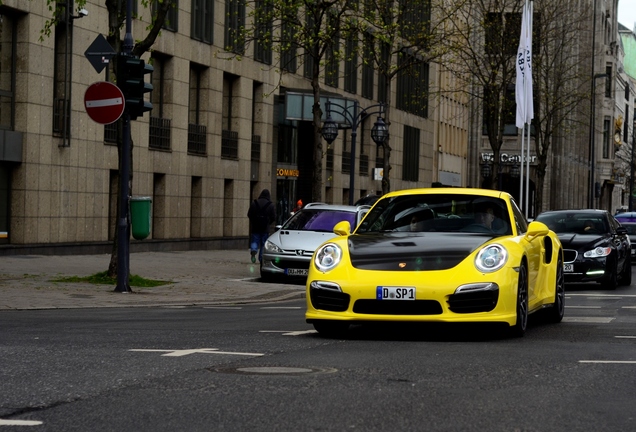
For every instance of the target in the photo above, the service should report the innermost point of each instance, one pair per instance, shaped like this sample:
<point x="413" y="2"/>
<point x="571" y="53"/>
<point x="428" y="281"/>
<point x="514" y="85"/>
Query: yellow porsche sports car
<point x="437" y="255"/>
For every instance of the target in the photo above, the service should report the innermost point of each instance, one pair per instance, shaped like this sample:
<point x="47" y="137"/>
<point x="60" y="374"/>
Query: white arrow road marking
<point x="297" y="333"/>
<point x="19" y="422"/>
<point x="609" y="361"/>
<point x="591" y="320"/>
<point x="104" y="102"/>
<point x="181" y="353"/>
<point x="288" y="332"/>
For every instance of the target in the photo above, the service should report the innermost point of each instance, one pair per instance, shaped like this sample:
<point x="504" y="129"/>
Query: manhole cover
<point x="274" y="370"/>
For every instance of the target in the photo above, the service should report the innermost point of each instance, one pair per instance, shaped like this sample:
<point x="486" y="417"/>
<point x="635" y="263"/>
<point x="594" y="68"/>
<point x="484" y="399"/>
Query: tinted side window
<point x="520" y="219"/>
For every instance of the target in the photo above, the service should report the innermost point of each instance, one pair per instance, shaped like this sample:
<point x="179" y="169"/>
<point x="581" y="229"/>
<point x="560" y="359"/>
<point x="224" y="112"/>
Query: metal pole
<point x="593" y="90"/>
<point x="352" y="164"/>
<point x="631" y="164"/>
<point x="123" y="226"/>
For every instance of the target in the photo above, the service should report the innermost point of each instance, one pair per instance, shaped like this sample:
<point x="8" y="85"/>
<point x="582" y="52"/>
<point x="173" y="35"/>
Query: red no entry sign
<point x="104" y="102"/>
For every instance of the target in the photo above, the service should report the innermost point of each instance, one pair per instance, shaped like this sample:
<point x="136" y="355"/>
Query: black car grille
<point x="388" y="307"/>
<point x="569" y="255"/>
<point x="284" y="264"/>
<point x="334" y="301"/>
<point x="472" y="302"/>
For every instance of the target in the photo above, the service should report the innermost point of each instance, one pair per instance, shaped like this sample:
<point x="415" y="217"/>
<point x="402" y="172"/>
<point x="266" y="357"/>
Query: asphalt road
<point x="260" y="367"/>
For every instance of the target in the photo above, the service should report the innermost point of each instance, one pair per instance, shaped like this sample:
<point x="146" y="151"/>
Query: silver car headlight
<point x="271" y="247"/>
<point x="598" y="252"/>
<point x="491" y="258"/>
<point x="327" y="257"/>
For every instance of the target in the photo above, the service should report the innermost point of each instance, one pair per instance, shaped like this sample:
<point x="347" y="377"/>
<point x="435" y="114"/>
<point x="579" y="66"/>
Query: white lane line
<point x="19" y="422"/>
<point x="592" y="320"/>
<point x="610" y="296"/>
<point x="281" y="307"/>
<point x="628" y="307"/>
<point x="289" y="332"/>
<point x="181" y="353"/>
<point x="222" y="307"/>
<point x="609" y="361"/>
<point x="625" y="337"/>
<point x="583" y="307"/>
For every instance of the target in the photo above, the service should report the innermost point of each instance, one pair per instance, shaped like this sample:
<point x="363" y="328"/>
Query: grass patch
<point x="103" y="279"/>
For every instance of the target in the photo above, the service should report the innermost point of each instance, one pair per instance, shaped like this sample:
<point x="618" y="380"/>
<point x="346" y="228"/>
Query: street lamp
<point x="379" y="132"/>
<point x="592" y="136"/>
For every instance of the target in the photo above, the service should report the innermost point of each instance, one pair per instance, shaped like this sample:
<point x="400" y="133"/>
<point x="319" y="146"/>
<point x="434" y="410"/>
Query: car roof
<point x="575" y="211"/>
<point x="451" y="191"/>
<point x="335" y="207"/>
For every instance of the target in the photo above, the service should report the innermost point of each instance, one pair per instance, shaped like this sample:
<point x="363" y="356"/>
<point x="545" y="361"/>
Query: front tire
<point x="519" y="329"/>
<point x="626" y="275"/>
<point x="556" y="312"/>
<point x="611" y="282"/>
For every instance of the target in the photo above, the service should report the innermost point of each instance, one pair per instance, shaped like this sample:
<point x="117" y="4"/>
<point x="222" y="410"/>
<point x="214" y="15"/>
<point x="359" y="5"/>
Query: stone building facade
<point x="220" y="131"/>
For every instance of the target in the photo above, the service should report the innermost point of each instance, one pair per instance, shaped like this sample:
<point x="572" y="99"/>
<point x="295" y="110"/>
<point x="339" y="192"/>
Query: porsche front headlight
<point x="491" y="258"/>
<point x="327" y="257"/>
<point x="598" y="252"/>
<point x="271" y="247"/>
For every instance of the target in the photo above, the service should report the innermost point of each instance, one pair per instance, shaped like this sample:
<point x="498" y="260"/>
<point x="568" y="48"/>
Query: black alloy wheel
<point x="626" y="275"/>
<point x="519" y="329"/>
<point x="556" y="312"/>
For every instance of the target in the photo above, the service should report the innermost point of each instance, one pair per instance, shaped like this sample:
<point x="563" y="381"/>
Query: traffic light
<point x="130" y="80"/>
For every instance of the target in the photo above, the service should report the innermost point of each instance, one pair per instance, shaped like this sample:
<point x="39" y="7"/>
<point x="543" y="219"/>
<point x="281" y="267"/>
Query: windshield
<point x="440" y="213"/>
<point x="575" y="222"/>
<point x="312" y="219"/>
<point x="631" y="228"/>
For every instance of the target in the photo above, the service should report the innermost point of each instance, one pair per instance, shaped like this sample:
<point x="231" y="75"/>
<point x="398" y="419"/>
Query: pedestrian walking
<point x="261" y="214"/>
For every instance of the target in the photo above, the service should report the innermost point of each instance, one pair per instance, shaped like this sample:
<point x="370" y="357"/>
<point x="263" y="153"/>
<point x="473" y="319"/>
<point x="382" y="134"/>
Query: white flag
<point x="523" y="91"/>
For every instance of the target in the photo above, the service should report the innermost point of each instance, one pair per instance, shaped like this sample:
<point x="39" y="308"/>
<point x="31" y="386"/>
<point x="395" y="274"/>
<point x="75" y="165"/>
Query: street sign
<point x="104" y="102"/>
<point x="99" y="53"/>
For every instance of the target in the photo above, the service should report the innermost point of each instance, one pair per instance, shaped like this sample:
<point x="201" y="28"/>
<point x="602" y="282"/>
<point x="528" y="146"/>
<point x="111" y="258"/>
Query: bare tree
<point x="407" y="36"/>
<point x="299" y="33"/>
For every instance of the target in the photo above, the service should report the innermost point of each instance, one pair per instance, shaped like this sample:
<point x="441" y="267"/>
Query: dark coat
<point x="262" y="213"/>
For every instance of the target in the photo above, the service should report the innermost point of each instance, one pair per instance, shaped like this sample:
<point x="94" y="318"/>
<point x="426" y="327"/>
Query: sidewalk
<point x="209" y="277"/>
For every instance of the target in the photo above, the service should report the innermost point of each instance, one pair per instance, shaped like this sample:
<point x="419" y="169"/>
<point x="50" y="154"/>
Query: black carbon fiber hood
<point x="412" y="252"/>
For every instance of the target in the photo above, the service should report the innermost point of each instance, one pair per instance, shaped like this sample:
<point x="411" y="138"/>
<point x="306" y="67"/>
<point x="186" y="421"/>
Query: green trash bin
<point x="140" y="216"/>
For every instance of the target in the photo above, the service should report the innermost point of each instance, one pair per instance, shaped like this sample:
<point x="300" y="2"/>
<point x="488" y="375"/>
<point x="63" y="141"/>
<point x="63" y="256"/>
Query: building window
<point x="61" y="81"/>
<point x="234" y="22"/>
<point x="8" y="33"/>
<point x="411" y="155"/>
<point x="626" y="124"/>
<point x="346" y="155"/>
<point x="160" y="127"/>
<point x="385" y="64"/>
<point x="332" y="62"/>
<point x="309" y="58"/>
<point x="197" y="131"/>
<point x="203" y="20"/>
<point x="608" y="81"/>
<point x="606" y="138"/>
<point x="263" y="32"/>
<point x="172" y="16"/>
<point x="351" y="63"/>
<point x="508" y="111"/>
<point x="288" y="61"/>
<point x="412" y="86"/>
<point x="229" y="134"/>
<point x="368" y="72"/>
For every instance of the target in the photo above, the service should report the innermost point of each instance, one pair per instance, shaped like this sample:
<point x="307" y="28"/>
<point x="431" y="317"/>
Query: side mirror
<point x="536" y="229"/>
<point x="342" y="228"/>
<point x="621" y="230"/>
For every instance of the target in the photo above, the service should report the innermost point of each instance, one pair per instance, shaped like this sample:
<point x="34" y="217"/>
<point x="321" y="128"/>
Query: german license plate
<point x="395" y="293"/>
<point x="568" y="268"/>
<point x="297" y="272"/>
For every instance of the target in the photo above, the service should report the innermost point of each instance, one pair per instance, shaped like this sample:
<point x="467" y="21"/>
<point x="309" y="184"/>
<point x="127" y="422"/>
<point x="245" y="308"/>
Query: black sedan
<point x="596" y="248"/>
